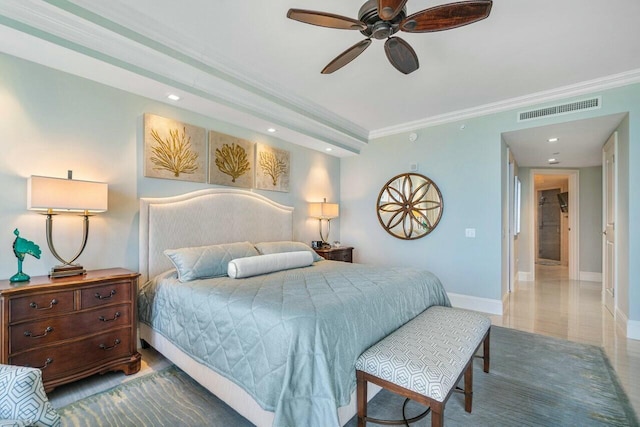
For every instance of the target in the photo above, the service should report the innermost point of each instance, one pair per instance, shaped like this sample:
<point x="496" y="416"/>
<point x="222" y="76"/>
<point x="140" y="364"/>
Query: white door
<point x="609" y="187"/>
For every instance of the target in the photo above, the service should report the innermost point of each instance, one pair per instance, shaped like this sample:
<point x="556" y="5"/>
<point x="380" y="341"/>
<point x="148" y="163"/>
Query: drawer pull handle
<point x="46" y="332"/>
<point x="51" y="304"/>
<point x="105" y="348"/>
<point x="115" y="316"/>
<point x="111" y="294"/>
<point x="47" y="362"/>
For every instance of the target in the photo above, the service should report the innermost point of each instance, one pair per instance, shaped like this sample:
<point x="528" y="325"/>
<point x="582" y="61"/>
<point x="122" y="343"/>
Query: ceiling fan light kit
<point x="381" y="19"/>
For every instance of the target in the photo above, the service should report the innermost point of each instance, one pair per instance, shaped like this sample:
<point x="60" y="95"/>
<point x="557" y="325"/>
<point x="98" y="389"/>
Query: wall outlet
<point x="470" y="232"/>
<point x="413" y="167"/>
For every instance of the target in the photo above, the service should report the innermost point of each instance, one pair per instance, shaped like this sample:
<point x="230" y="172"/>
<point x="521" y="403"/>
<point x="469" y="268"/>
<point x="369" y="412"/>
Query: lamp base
<point x="67" y="270"/>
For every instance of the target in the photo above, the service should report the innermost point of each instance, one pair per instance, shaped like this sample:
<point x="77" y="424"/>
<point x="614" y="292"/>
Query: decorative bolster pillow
<point x="262" y="264"/>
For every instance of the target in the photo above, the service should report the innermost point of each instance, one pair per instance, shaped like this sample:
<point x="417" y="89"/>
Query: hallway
<point x="555" y="306"/>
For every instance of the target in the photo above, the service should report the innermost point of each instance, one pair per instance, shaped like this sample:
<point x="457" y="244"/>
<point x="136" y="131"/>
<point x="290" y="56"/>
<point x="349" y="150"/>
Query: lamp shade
<point x="68" y="195"/>
<point x="324" y="210"/>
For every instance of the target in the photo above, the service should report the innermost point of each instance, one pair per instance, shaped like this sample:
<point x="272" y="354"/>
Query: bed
<point x="279" y="348"/>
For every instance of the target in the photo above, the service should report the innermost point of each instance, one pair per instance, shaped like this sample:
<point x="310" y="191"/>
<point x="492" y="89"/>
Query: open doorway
<point x="555" y="228"/>
<point x="552" y="219"/>
<point x="557" y="149"/>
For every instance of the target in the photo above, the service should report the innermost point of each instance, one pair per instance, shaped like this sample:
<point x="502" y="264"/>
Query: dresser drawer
<point x="57" y="361"/>
<point x="105" y="294"/>
<point x="38" y="333"/>
<point x="40" y="305"/>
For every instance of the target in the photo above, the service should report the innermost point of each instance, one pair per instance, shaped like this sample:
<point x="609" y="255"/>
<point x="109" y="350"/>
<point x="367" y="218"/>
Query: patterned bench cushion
<point x="428" y="353"/>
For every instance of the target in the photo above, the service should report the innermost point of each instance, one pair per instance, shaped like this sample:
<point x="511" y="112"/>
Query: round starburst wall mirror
<point x="409" y="206"/>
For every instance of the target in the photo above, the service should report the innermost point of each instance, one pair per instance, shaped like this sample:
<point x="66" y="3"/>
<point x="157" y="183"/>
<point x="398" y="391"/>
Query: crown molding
<point x="578" y="89"/>
<point x="74" y="28"/>
<point x="109" y="14"/>
<point x="180" y="47"/>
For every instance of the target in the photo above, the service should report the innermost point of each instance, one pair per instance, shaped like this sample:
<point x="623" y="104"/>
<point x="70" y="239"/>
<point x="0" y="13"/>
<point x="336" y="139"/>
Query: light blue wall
<point x="468" y="166"/>
<point x="51" y="122"/>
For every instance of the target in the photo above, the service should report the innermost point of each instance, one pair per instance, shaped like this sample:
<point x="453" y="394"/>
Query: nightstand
<point x="71" y="327"/>
<point x="337" y="254"/>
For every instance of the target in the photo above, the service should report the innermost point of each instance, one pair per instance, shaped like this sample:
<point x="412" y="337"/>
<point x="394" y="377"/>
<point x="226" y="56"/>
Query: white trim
<point x="631" y="328"/>
<point x="590" y="276"/>
<point x="578" y="89"/>
<point x="485" y="305"/>
<point x="613" y="139"/>
<point x="621" y="320"/>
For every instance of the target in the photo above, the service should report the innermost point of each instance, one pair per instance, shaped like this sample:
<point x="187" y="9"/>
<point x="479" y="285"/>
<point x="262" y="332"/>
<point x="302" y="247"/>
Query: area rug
<point x="534" y="381"/>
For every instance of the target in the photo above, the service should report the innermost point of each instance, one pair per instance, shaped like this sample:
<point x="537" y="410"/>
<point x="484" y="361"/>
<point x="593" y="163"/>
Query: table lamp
<point x="326" y="211"/>
<point x="59" y="195"/>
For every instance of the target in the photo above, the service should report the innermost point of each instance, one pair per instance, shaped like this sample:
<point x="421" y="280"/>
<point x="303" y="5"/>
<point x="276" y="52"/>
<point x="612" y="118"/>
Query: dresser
<point x="336" y="254"/>
<point x="71" y="327"/>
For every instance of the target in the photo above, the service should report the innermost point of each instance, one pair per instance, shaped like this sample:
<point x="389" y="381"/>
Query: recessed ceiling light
<point x="553" y="159"/>
<point x="553" y="139"/>
<point x="271" y="130"/>
<point x="173" y="97"/>
<point x="328" y="149"/>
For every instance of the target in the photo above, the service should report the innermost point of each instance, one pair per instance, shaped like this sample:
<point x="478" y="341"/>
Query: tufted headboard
<point x="207" y="217"/>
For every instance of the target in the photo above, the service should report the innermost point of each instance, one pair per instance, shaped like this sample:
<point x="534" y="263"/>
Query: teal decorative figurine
<point x="20" y="248"/>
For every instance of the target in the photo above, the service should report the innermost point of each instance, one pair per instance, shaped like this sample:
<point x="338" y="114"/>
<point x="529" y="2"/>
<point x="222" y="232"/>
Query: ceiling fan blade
<point x="323" y="19"/>
<point x="401" y="55"/>
<point x="347" y="56"/>
<point x="447" y="16"/>
<point x="388" y="9"/>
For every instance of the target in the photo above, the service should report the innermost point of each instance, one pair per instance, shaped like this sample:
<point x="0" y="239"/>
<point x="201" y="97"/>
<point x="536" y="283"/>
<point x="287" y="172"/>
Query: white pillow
<point x="207" y="261"/>
<point x="266" y="248"/>
<point x="261" y="264"/>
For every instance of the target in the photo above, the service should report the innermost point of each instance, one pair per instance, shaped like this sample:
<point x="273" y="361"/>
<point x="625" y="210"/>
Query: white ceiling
<point x="579" y="143"/>
<point x="246" y="63"/>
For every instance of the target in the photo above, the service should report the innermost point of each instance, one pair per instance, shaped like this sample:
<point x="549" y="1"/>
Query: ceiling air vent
<point x="556" y="110"/>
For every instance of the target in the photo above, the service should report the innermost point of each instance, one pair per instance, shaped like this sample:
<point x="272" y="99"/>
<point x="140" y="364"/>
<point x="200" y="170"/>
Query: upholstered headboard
<point x="207" y="217"/>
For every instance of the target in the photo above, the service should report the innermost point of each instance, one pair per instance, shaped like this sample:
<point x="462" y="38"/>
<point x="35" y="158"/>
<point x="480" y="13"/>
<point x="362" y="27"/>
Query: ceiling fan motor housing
<point x="377" y="27"/>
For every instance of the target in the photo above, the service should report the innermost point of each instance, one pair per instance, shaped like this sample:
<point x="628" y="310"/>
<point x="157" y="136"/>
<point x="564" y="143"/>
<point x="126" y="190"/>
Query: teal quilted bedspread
<point x="290" y="338"/>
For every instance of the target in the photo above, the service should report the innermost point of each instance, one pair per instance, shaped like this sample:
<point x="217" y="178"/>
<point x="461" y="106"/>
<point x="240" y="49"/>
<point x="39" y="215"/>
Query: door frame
<point x="574" y="223"/>
<point x="609" y="272"/>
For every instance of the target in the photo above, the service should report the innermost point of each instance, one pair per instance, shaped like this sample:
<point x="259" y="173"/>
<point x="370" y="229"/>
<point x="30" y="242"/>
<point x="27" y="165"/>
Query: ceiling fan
<point x="380" y="19"/>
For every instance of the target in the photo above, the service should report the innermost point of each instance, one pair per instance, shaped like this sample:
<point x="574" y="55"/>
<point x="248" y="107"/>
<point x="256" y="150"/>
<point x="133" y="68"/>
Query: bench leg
<point x="486" y="351"/>
<point x="437" y="414"/>
<point x="361" y="398"/>
<point x="468" y="386"/>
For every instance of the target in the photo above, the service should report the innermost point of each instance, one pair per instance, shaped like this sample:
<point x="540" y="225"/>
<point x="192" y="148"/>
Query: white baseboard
<point x="525" y="276"/>
<point x="621" y="320"/>
<point x="633" y="329"/>
<point x="485" y="305"/>
<point x="590" y="276"/>
<point x="630" y="327"/>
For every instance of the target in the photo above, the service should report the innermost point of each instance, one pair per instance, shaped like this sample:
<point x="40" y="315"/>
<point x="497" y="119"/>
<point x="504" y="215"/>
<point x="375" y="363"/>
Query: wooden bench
<point x="424" y="360"/>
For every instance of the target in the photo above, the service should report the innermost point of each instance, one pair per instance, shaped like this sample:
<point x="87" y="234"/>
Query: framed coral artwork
<point x="231" y="160"/>
<point x="272" y="168"/>
<point x="174" y="150"/>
